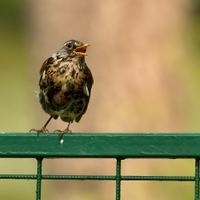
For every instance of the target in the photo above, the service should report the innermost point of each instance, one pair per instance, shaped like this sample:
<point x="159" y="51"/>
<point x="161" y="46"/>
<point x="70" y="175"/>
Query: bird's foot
<point x="38" y="131"/>
<point x="62" y="132"/>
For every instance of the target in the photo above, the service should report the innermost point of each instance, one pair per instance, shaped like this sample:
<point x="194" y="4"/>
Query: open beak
<point x="81" y="50"/>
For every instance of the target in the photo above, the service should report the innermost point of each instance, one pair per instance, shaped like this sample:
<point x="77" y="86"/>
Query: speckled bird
<point x="65" y="84"/>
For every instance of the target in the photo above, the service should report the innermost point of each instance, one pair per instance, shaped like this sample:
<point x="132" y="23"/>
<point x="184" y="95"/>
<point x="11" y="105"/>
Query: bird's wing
<point x="89" y="84"/>
<point x="48" y="61"/>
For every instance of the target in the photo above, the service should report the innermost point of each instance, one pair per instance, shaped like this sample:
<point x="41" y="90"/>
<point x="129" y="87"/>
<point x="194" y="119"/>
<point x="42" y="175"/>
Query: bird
<point x="65" y="85"/>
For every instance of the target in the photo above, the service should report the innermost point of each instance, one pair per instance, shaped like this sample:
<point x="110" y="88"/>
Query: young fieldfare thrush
<point x="65" y="84"/>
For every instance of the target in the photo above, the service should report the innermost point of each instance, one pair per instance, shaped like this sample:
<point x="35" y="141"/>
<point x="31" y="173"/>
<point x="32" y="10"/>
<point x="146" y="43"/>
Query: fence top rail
<point x="101" y="145"/>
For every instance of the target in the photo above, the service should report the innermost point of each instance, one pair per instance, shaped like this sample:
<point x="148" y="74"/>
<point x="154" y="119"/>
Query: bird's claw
<point x="62" y="132"/>
<point x="42" y="130"/>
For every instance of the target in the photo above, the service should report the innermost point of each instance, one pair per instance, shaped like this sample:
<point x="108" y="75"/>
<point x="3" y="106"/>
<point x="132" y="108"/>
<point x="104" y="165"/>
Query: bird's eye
<point x="69" y="45"/>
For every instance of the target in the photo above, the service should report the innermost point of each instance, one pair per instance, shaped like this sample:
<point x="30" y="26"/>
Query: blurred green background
<point x="22" y="42"/>
<point x="15" y="74"/>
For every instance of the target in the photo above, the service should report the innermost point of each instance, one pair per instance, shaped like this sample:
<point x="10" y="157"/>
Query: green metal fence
<point x="105" y="145"/>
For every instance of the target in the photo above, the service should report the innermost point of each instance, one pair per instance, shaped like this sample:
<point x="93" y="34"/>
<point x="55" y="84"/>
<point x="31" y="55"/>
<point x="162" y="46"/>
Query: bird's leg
<point x="67" y="130"/>
<point x="43" y="129"/>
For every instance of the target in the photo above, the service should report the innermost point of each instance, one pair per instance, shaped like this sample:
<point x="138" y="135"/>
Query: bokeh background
<point x="144" y="56"/>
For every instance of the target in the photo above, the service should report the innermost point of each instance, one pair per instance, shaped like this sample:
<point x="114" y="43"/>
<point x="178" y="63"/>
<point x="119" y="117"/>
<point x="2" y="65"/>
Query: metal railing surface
<point x="101" y="145"/>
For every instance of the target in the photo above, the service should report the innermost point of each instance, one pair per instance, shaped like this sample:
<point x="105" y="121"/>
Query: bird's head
<point x="74" y="48"/>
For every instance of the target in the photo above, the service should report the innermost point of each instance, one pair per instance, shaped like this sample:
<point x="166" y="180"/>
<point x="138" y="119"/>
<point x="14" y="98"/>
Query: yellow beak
<point x="81" y="50"/>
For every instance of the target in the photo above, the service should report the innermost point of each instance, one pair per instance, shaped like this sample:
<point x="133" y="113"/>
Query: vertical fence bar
<point x="39" y="178"/>
<point x="118" y="179"/>
<point x="196" y="179"/>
